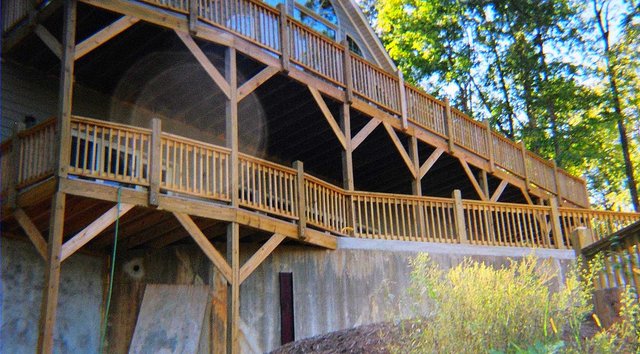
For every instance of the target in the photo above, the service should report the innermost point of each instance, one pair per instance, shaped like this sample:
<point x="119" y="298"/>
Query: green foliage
<point x="522" y="307"/>
<point x="535" y="69"/>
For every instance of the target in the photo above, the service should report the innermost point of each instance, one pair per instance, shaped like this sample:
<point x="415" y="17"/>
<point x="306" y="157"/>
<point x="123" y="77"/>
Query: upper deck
<point x="278" y="41"/>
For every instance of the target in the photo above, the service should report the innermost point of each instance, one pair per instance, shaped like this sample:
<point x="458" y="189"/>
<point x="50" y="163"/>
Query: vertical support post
<point x="581" y="237"/>
<point x="302" y="202"/>
<point x="484" y="183"/>
<point x="492" y="163"/>
<point x="193" y="16"/>
<point x="403" y="101"/>
<point x="285" y="48"/>
<point x="66" y="87"/>
<point x="233" y="291"/>
<point x="347" y="154"/>
<point x="556" y="178"/>
<point x="346" y="71"/>
<point x="447" y="117"/>
<point x="556" y="228"/>
<point x="15" y="166"/>
<point x="458" y="211"/>
<point x="155" y="161"/>
<point x="52" y="275"/>
<point x="63" y="150"/>
<point x="416" y="186"/>
<point x="231" y="121"/>
<point x="524" y="164"/>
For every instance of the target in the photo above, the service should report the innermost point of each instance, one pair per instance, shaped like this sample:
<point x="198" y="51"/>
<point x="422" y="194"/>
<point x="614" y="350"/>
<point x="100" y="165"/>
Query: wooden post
<point x="581" y="237"/>
<point x="447" y="116"/>
<point x="155" y="161"/>
<point x="556" y="226"/>
<point x="556" y="177"/>
<point x="285" y="47"/>
<point x="193" y="16"/>
<point x="63" y="149"/>
<point x="524" y="164"/>
<point x="416" y="185"/>
<point x="461" y="228"/>
<point x="231" y="121"/>
<point x="302" y="202"/>
<point x="66" y="88"/>
<point x="233" y="292"/>
<point x="346" y="71"/>
<point x="492" y="163"/>
<point x="52" y="275"/>
<point x="403" y="101"/>
<point x="347" y="153"/>
<point x="12" y="187"/>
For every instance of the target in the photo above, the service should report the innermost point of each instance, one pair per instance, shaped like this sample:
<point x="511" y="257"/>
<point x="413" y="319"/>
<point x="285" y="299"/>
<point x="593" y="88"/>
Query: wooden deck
<point x="197" y="175"/>
<point x="279" y="41"/>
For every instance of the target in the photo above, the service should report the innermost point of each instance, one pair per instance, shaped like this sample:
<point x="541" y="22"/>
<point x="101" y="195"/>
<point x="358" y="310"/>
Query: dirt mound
<point x="374" y="338"/>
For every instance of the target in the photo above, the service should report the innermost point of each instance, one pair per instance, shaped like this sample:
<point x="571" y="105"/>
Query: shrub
<point x="476" y="308"/>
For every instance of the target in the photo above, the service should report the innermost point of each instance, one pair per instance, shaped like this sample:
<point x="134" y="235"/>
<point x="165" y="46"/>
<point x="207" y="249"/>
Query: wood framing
<point x="233" y="293"/>
<point x="426" y="166"/>
<point x="231" y="118"/>
<point x="472" y="179"/>
<point x="498" y="192"/>
<point x="206" y="64"/>
<point x="32" y="232"/>
<point x="347" y="154"/>
<point x="104" y="35"/>
<point x="398" y="144"/>
<point x="364" y="133"/>
<point x="328" y="116"/>
<point x="260" y="78"/>
<point x="249" y="266"/>
<point x="214" y="256"/>
<point x="49" y="40"/>
<point x="93" y="230"/>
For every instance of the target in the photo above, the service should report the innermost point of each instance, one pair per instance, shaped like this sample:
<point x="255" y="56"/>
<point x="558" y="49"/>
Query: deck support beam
<point x="398" y="144"/>
<point x="256" y="81"/>
<point x="416" y="182"/>
<point x="426" y="166"/>
<point x="261" y="254"/>
<point x="233" y="290"/>
<point x="347" y="154"/>
<point x="101" y="37"/>
<point x="49" y="40"/>
<point x="472" y="179"/>
<point x="364" y="133"/>
<point x="93" y="229"/>
<point x="56" y="224"/>
<point x="32" y="232"/>
<point x="326" y="112"/>
<point x="498" y="192"/>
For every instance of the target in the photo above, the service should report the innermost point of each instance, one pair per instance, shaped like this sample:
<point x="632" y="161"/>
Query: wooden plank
<point x="403" y="153"/>
<point x="260" y="256"/>
<point x="426" y="166"/>
<point x="250" y="85"/>
<point x="498" y="192"/>
<point x="364" y="133"/>
<point x="103" y="192"/>
<point x="328" y="116"/>
<point x="233" y="301"/>
<point x="94" y="229"/>
<point x="193" y="17"/>
<point x="96" y="40"/>
<point x="32" y="232"/>
<point x="170" y="314"/>
<point x="206" y="64"/>
<point x="206" y="246"/>
<point x="473" y="180"/>
<point x="231" y="121"/>
<point x="49" y="40"/>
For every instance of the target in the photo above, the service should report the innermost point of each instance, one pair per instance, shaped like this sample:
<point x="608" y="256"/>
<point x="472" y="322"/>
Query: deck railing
<point x="264" y="26"/>
<point x="123" y="154"/>
<point x="620" y="254"/>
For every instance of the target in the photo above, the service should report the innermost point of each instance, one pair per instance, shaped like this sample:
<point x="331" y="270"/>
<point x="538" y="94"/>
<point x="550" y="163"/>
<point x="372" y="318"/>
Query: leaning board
<point x="170" y="319"/>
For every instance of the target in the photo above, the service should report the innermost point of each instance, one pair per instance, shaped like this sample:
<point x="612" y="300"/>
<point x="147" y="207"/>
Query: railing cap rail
<point x="630" y="231"/>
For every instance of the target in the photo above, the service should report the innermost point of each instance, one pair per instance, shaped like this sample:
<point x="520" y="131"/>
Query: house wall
<point x="79" y="305"/>
<point x="361" y="282"/>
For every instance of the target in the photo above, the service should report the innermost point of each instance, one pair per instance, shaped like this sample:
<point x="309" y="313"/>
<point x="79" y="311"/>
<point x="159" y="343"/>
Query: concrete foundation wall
<point x="359" y="283"/>
<point x="79" y="305"/>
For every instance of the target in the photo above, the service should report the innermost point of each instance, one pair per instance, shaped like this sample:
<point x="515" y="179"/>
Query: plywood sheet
<point x="170" y="320"/>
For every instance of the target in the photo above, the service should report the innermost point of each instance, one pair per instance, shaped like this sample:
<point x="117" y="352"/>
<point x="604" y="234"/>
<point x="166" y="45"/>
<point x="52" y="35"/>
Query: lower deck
<point x="158" y="177"/>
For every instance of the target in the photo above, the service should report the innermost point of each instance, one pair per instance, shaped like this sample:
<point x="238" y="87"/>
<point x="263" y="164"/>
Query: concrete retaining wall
<point x="79" y="305"/>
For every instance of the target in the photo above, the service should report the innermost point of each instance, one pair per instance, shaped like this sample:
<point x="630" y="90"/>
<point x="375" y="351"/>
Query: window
<point x="353" y="46"/>
<point x="318" y="15"/>
<point x="322" y="8"/>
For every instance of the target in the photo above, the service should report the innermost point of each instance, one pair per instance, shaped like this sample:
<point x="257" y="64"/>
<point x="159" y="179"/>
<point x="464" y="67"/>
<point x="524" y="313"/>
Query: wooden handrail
<point x="121" y="153"/>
